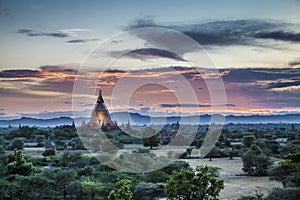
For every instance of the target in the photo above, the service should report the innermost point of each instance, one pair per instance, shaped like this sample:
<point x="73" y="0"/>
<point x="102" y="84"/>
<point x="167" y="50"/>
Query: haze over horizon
<point x="255" y="45"/>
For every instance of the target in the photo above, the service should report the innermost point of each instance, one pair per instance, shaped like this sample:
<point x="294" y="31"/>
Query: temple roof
<point x="100" y="98"/>
<point x="100" y="105"/>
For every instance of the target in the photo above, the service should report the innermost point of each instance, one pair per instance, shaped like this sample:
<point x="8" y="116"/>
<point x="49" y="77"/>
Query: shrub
<point x="49" y="152"/>
<point x="284" y="193"/>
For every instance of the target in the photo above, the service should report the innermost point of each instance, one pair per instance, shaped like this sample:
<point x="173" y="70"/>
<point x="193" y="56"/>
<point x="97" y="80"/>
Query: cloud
<point x="183" y="105"/>
<point x="280" y="84"/>
<point x="229" y="105"/>
<point x="33" y="33"/>
<point x="2" y="112"/>
<point x="294" y="63"/>
<point x="84" y="40"/>
<point x="19" y="73"/>
<point x="59" y="68"/>
<point x="249" y="75"/>
<point x="46" y="71"/>
<point x="76" y="41"/>
<point x="270" y="88"/>
<point x="145" y="53"/>
<point x="73" y="32"/>
<point x="279" y="35"/>
<point x="230" y="32"/>
<point x="6" y="12"/>
<point x="193" y="105"/>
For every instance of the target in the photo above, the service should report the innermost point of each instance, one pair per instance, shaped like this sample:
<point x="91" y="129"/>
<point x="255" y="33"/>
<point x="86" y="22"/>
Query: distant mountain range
<point x="135" y="118"/>
<point x="122" y="117"/>
<point x="28" y="121"/>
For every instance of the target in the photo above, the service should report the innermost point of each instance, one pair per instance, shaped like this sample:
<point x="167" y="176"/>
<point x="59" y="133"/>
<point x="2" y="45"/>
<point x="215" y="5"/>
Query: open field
<point x="235" y="184"/>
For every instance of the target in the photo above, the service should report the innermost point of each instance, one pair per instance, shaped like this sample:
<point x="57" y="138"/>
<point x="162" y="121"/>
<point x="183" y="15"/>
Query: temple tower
<point x="100" y="115"/>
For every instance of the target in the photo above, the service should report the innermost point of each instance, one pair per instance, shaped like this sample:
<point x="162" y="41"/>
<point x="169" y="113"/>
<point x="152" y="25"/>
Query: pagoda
<point x="100" y="116"/>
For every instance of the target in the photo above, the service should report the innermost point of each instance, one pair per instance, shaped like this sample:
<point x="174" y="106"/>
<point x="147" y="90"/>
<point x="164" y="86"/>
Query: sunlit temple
<point x="100" y="116"/>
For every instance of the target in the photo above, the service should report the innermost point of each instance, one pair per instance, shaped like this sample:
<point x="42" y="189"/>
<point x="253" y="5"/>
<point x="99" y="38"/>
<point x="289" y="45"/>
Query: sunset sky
<point x="46" y="45"/>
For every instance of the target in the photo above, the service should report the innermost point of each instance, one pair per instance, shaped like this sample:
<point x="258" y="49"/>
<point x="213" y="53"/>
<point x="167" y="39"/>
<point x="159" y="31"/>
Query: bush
<point x="256" y="196"/>
<point x="255" y="163"/>
<point x="284" y="194"/>
<point x="176" y="166"/>
<point x="141" y="150"/>
<point x="145" y="191"/>
<point x="156" y="177"/>
<point x="49" y="152"/>
<point x="2" y="150"/>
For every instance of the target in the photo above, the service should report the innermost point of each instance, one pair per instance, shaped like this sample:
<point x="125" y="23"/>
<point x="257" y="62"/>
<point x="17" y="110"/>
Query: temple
<point x="100" y="116"/>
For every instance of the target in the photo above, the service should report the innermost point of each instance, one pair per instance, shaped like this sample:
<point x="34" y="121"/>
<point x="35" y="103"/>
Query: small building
<point x="49" y="145"/>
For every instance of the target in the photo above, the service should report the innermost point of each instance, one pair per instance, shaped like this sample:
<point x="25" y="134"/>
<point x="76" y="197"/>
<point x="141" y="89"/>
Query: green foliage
<point x="19" y="165"/>
<point x="40" y="140"/>
<point x="17" y="143"/>
<point x="61" y="178"/>
<point x="26" y="132"/>
<point x="176" y="166"/>
<point x="69" y="158"/>
<point x="76" y="143"/>
<point x="157" y="176"/>
<point x="199" y="185"/>
<point x="91" y="189"/>
<point x="256" y="196"/>
<point x="189" y="151"/>
<point x="148" y="190"/>
<point x="65" y="132"/>
<point x="8" y="189"/>
<point x="248" y="140"/>
<point x="255" y="163"/>
<point x="86" y="171"/>
<point x="2" y="150"/>
<point x="150" y="137"/>
<point x="123" y="191"/>
<point x="35" y="187"/>
<point x="287" y="171"/>
<point x="284" y="194"/>
<point x="49" y="152"/>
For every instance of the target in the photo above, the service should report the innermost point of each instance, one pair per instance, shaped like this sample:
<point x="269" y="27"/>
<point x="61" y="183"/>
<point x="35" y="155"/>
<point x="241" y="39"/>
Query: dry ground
<point x="236" y="185"/>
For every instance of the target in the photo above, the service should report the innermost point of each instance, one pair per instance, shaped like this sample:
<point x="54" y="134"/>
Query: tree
<point x="18" y="144"/>
<point x="189" y="151"/>
<point x="123" y="191"/>
<point x="199" y="185"/>
<point x="49" y="152"/>
<point x="144" y="190"/>
<point x="19" y="165"/>
<point x="284" y="193"/>
<point x="91" y="189"/>
<point x="40" y="140"/>
<point x="150" y="137"/>
<point x="76" y="143"/>
<point x="288" y="171"/>
<point x="2" y="150"/>
<point x="62" y="179"/>
<point x="8" y="189"/>
<point x="255" y="163"/>
<point x="36" y="187"/>
<point x="248" y="140"/>
<point x="213" y="153"/>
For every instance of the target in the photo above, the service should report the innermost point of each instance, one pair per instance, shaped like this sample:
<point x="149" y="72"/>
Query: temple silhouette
<point x="100" y="116"/>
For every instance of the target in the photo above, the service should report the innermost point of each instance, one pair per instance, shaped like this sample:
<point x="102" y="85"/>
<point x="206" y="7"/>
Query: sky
<point x="48" y="46"/>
